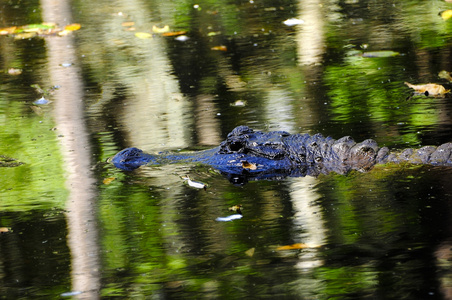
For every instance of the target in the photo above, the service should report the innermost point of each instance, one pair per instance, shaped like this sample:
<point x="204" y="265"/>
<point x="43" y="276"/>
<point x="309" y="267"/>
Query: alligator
<point x="247" y="154"/>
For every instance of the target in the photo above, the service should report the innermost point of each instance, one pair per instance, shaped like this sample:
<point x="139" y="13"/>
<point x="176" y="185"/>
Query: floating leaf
<point x="383" y="53"/>
<point x="250" y="252"/>
<point x="108" y="180"/>
<point x="219" y="48"/>
<point x="127" y="24"/>
<point x="239" y="103"/>
<point x="237" y="208"/>
<point x="14" y="72"/>
<point x="445" y="75"/>
<point x="4" y="229"/>
<point x="174" y="33"/>
<point x="292" y="247"/>
<point x="8" y="30"/>
<point x="72" y="27"/>
<point x="446" y="15"/>
<point x="143" y="35"/>
<point x="247" y="165"/>
<point x="164" y="29"/>
<point x="24" y="35"/>
<point x="214" y="33"/>
<point x="429" y="89"/>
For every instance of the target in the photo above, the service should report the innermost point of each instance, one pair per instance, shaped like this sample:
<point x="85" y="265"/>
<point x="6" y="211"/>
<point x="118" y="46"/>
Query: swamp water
<point x="165" y="75"/>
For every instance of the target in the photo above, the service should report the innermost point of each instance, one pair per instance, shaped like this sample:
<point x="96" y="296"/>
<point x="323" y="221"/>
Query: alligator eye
<point x="318" y="159"/>
<point x="235" y="146"/>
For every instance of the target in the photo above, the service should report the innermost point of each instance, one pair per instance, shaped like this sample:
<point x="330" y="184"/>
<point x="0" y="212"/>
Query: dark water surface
<point x="72" y="225"/>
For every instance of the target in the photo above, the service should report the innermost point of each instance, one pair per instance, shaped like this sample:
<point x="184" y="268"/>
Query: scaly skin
<point x="249" y="154"/>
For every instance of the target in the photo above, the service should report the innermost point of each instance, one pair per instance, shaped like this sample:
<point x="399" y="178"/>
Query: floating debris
<point x="293" y="22"/>
<point x="445" y="75"/>
<point x="108" y="180"/>
<point x="446" y="15"/>
<point x="219" y="48"/>
<point x="164" y="29"/>
<point x="174" y="33"/>
<point x="229" y="218"/>
<point x="250" y="252"/>
<point x="236" y="208"/>
<point x="143" y="35"/>
<point x="41" y="101"/>
<point x="195" y="184"/>
<point x="382" y="53"/>
<point x="70" y="294"/>
<point x="429" y="89"/>
<point x="239" y="103"/>
<point x="14" y="71"/>
<point x="182" y="38"/>
<point x="292" y="247"/>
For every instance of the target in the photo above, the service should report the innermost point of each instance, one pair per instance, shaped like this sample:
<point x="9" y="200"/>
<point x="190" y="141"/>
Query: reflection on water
<point x="147" y="234"/>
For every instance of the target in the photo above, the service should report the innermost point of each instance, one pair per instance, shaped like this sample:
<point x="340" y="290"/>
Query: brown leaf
<point x="174" y="33"/>
<point x="127" y="24"/>
<point x="219" y="48"/>
<point x="429" y="89"/>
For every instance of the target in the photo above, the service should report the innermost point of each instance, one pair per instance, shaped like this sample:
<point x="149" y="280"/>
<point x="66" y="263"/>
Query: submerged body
<point x="249" y="154"/>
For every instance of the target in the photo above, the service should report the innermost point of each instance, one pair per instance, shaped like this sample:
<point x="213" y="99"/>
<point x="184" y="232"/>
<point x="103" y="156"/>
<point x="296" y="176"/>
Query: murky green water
<point x="72" y="225"/>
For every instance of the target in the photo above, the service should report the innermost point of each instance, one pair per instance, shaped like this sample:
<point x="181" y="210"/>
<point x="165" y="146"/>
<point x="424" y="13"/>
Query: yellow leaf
<point x="247" y="165"/>
<point x="445" y="75"/>
<point x="7" y="30"/>
<point x="156" y="29"/>
<point x="293" y="247"/>
<point x="108" y="180"/>
<point x="64" y="32"/>
<point x="446" y="15"/>
<point x="250" y="252"/>
<point x="143" y="35"/>
<point x="24" y="35"/>
<point x="72" y="27"/>
<point x="429" y="89"/>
